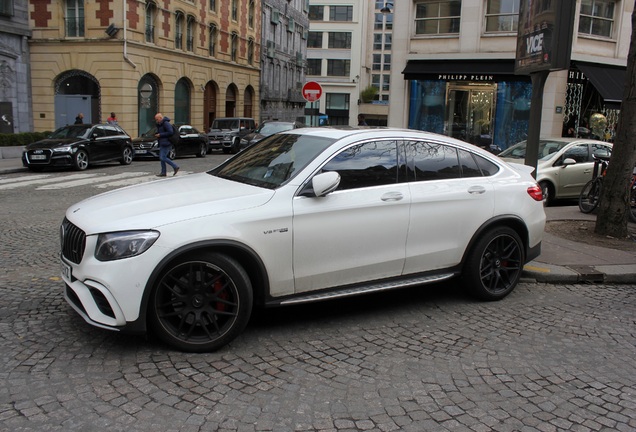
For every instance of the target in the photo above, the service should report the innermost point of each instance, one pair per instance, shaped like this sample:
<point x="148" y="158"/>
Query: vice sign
<point x="534" y="44"/>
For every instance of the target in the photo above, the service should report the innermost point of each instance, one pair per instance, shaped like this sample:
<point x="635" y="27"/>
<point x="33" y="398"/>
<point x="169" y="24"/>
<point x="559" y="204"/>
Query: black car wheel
<point x="236" y="145"/>
<point x="548" y="193"/>
<point x="203" y="150"/>
<point x="81" y="160"/>
<point x="127" y="155"/>
<point x="494" y="265"/>
<point x="201" y="302"/>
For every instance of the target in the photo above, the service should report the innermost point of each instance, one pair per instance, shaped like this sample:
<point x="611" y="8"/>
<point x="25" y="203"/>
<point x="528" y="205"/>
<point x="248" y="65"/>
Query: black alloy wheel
<point x="203" y="150"/>
<point x="201" y="302"/>
<point x="80" y="160"/>
<point x="127" y="155"/>
<point x="495" y="264"/>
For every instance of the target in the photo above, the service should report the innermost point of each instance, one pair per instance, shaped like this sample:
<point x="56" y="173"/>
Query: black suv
<point x="79" y="146"/>
<point x="226" y="133"/>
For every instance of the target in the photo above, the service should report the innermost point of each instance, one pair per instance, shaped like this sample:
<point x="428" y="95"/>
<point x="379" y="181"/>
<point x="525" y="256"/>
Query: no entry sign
<point x="312" y="91"/>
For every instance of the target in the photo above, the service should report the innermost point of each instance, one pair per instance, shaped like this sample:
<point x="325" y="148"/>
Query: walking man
<point x="164" y="132"/>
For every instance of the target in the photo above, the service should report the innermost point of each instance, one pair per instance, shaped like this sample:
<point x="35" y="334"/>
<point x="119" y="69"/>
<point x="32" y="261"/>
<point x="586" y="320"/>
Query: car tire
<point x="494" y="264"/>
<point x="201" y="302"/>
<point x="127" y="156"/>
<point x="203" y="150"/>
<point x="236" y="145"/>
<point x="548" y="193"/>
<point x="80" y="160"/>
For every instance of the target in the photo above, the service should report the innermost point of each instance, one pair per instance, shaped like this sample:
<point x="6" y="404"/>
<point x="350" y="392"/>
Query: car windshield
<point x="273" y="161"/>
<point x="267" y="129"/>
<point x="225" y="124"/>
<point x="80" y="131"/>
<point x="546" y="149"/>
<point x="150" y="133"/>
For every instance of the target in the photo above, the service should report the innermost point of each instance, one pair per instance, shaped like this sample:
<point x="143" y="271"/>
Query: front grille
<point x="73" y="242"/>
<point x="39" y="156"/>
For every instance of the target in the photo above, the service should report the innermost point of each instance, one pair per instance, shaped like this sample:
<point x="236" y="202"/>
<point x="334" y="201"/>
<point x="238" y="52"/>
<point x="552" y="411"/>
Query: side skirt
<point x="371" y="287"/>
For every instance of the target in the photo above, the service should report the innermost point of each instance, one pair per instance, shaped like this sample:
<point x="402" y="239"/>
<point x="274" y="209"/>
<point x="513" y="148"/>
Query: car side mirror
<point x="322" y="184"/>
<point x="568" y="161"/>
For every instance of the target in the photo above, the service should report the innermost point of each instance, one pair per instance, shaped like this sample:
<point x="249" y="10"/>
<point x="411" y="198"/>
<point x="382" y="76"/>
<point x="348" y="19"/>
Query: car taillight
<point x="535" y="193"/>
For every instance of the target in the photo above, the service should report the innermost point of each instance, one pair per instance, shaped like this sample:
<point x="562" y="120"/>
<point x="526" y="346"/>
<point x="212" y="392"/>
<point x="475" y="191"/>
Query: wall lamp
<point x="387" y="8"/>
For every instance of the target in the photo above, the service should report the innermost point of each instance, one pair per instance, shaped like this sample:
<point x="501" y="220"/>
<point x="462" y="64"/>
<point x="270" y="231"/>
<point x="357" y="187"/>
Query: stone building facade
<point x="191" y="60"/>
<point x="15" y="90"/>
<point x="283" y="59"/>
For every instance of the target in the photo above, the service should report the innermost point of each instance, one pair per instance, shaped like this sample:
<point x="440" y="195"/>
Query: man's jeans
<point x="163" y="157"/>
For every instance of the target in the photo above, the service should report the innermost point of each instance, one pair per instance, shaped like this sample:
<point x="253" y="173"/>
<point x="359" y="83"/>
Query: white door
<point x="358" y="232"/>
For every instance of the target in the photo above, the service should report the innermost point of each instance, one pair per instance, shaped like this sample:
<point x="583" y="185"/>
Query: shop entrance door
<point x="470" y="112"/>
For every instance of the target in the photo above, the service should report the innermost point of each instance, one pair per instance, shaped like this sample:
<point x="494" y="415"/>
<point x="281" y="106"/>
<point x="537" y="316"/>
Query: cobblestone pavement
<point x="547" y="358"/>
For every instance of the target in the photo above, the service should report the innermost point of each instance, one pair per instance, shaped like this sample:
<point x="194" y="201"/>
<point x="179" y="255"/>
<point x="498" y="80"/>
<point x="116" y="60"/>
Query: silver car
<point x="564" y="164"/>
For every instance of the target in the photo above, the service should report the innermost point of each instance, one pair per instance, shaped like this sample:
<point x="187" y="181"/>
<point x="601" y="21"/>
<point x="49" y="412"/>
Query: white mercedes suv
<point x="304" y="215"/>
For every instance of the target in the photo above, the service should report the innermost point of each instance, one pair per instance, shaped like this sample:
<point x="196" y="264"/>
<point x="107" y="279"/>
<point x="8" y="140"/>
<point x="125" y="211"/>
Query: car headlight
<point x="126" y="244"/>
<point x="65" y="149"/>
<point x="155" y="144"/>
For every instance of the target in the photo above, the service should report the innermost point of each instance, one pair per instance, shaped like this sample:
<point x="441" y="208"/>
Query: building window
<point x="250" y="15"/>
<point x="337" y="67"/>
<point x="340" y="40"/>
<point x="234" y="10"/>
<point x="182" y="102"/>
<point x="437" y="17"/>
<point x="383" y="21"/>
<point x="502" y="16"/>
<point x="340" y="13"/>
<point x="597" y="18"/>
<point x="151" y="8"/>
<point x="388" y="41"/>
<point x="6" y="7"/>
<point x="314" y="67"/>
<point x="190" y="33"/>
<point x="316" y="13"/>
<point x="178" y="36"/>
<point x="315" y="40"/>
<point x="212" y="40"/>
<point x="212" y="5"/>
<point x="234" y="46"/>
<point x="250" y="51"/>
<point x="75" y="18"/>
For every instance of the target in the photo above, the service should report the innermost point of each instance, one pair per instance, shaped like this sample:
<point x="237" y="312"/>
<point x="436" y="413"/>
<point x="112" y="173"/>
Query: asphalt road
<point x="546" y="358"/>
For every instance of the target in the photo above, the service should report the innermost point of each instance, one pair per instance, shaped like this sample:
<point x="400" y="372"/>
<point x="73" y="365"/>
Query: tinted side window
<point x="579" y="153"/>
<point x="364" y="165"/>
<point x="98" y="132"/>
<point x="487" y="168"/>
<point x="468" y="164"/>
<point x="111" y="131"/>
<point x="430" y="161"/>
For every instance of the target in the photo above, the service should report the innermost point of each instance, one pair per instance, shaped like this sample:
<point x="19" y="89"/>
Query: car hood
<point x="151" y="205"/>
<point x="144" y="139"/>
<point x="50" y="143"/>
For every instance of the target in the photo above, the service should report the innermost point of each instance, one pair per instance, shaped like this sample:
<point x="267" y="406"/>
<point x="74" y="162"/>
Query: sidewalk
<point x="561" y="260"/>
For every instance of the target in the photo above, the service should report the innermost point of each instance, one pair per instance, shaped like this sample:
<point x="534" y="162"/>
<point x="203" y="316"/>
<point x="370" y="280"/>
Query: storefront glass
<point x="475" y="112"/>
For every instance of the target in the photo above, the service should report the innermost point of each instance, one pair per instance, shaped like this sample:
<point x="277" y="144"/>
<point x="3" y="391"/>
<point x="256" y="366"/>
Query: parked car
<point x="564" y="164"/>
<point x="226" y="133"/>
<point x="306" y="215"/>
<point x="79" y="146"/>
<point x="267" y="128"/>
<point x="191" y="142"/>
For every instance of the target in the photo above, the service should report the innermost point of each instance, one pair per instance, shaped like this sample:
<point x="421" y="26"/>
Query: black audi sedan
<point x="191" y="142"/>
<point x="79" y="146"/>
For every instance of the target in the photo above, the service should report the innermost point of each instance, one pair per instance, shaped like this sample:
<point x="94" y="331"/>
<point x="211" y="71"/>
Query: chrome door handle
<point x="392" y="196"/>
<point x="476" y="190"/>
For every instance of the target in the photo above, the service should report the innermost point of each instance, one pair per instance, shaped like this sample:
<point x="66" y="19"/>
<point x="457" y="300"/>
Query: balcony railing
<point x="150" y="33"/>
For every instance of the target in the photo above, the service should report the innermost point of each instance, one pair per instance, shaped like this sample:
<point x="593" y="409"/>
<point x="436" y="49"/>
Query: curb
<point x="547" y="273"/>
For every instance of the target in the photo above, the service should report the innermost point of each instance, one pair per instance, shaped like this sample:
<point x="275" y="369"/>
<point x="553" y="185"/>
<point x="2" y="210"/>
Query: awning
<point x="609" y="81"/>
<point x="436" y="69"/>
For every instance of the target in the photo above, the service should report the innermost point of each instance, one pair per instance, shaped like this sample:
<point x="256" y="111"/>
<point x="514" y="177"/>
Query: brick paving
<point x="547" y="358"/>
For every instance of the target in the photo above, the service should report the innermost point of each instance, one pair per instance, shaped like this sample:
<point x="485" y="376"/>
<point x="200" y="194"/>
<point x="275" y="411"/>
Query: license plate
<point x="141" y="151"/>
<point x="38" y="157"/>
<point x="66" y="270"/>
<point x="215" y="142"/>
